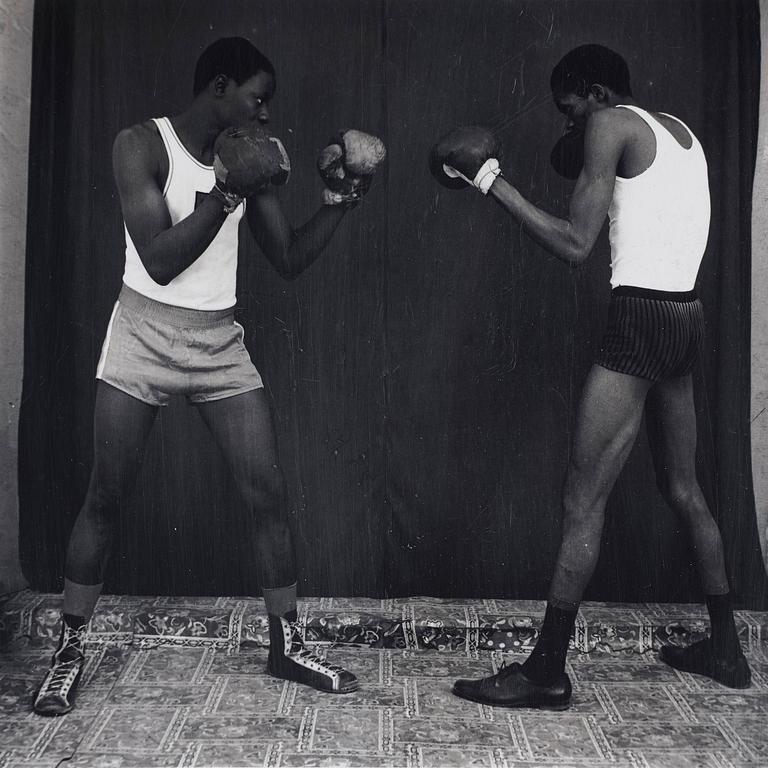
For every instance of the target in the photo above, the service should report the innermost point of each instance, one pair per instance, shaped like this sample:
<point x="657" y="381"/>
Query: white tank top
<point x="209" y="282"/>
<point x="659" y="220"/>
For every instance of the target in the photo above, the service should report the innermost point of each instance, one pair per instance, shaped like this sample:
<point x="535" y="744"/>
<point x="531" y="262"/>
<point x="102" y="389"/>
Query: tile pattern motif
<point x="181" y="683"/>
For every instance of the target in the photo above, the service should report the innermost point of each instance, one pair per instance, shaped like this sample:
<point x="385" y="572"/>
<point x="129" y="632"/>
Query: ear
<point x="220" y="83"/>
<point x="599" y="92"/>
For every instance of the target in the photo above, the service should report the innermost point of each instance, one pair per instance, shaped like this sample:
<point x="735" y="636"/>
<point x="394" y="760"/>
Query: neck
<point x="197" y="128"/>
<point x="615" y="100"/>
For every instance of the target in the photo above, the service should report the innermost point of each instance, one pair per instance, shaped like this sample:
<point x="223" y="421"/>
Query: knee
<point x="580" y="511"/>
<point x="104" y="498"/>
<point x="583" y="497"/>
<point x="266" y="492"/>
<point x="681" y="493"/>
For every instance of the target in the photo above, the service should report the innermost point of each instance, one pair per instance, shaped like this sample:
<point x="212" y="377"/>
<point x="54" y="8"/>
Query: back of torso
<point x="659" y="218"/>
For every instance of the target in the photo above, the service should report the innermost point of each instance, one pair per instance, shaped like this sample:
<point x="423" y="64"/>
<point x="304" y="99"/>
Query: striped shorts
<point x="655" y="335"/>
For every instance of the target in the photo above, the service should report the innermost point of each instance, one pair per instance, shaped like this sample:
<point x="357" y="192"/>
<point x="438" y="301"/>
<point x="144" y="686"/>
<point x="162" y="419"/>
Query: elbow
<point x="158" y="272"/>
<point x="284" y="267"/>
<point x="577" y="254"/>
<point x="160" y="277"/>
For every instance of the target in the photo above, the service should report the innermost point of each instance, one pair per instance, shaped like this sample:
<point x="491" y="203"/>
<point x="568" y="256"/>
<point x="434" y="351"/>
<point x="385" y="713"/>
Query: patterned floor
<point x="180" y="699"/>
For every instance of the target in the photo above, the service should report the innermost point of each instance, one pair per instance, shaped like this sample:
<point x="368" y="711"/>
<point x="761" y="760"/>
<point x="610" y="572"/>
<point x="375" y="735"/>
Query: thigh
<point x="671" y="425"/>
<point x="243" y="429"/>
<point x="121" y="426"/>
<point x="607" y="423"/>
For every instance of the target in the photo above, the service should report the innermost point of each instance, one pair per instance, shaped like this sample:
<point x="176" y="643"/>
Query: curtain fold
<point x="425" y="371"/>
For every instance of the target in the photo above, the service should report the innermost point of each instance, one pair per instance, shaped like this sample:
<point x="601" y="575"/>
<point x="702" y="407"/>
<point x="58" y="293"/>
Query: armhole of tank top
<point x="161" y="129"/>
<point x="648" y="120"/>
<point x="694" y="140"/>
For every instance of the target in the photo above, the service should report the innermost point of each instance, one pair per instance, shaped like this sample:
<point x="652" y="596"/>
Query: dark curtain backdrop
<point x="425" y="371"/>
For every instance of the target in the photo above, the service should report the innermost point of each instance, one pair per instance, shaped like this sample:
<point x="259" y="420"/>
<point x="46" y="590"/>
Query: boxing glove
<point x="466" y="156"/>
<point x="347" y="165"/>
<point x="567" y="156"/>
<point x="247" y="159"/>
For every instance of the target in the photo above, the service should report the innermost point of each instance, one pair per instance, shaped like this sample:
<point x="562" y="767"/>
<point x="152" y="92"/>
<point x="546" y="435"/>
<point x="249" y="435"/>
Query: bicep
<point x="144" y="208"/>
<point x="268" y="223"/>
<point x="594" y="189"/>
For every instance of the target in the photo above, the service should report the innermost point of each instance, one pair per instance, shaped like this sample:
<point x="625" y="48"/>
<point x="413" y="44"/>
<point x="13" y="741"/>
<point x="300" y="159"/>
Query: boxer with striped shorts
<point x="647" y="173"/>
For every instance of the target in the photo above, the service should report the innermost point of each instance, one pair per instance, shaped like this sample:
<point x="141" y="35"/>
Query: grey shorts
<point x="154" y="350"/>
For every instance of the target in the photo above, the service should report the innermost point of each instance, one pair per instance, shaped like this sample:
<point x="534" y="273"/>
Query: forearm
<point x="302" y="246"/>
<point x="557" y="235"/>
<point x="173" y="250"/>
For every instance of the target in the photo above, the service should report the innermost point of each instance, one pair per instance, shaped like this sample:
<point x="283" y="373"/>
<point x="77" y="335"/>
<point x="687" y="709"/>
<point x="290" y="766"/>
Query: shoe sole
<point x="51" y="713"/>
<point x="348" y="689"/>
<point x="59" y="713"/>
<point x="526" y="705"/>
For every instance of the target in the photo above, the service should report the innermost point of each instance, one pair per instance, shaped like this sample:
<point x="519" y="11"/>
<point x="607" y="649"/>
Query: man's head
<point x="239" y="77"/>
<point x="588" y="78"/>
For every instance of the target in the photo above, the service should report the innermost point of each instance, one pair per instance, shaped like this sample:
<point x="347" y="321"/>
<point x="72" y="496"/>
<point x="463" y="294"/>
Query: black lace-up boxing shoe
<point x="290" y="659"/>
<point x="56" y="696"/>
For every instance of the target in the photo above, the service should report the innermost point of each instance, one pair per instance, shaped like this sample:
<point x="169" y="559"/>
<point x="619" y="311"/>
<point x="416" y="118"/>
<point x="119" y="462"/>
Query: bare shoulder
<point x="138" y="142"/>
<point x="139" y="151"/>
<point x="612" y="122"/>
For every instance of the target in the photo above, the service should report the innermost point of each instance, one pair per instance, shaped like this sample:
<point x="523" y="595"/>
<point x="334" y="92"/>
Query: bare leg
<point x="607" y="423"/>
<point x="671" y="419"/>
<point x="608" y="420"/>
<point x="242" y="426"/>
<point x="121" y="425"/>
<point x="671" y="422"/>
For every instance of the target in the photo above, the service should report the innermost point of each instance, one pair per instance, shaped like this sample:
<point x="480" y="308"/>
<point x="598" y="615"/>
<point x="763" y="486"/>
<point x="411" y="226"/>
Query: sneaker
<point x="509" y="687"/>
<point x="699" y="659"/>
<point x="56" y="696"/>
<point x="290" y="659"/>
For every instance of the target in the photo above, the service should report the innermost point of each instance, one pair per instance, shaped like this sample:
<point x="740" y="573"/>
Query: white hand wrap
<point x="339" y="198"/>
<point x="485" y="176"/>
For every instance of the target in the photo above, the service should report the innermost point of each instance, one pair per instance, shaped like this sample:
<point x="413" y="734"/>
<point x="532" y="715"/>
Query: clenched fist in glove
<point x="246" y="160"/>
<point x="347" y="166"/>
<point x="467" y="156"/>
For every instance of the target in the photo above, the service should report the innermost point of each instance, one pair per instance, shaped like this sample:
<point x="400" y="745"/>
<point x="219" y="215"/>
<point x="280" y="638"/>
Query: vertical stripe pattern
<point x="651" y="334"/>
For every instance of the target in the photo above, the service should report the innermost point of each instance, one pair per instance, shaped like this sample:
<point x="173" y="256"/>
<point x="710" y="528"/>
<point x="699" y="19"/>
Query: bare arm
<point x="571" y="240"/>
<point x="165" y="250"/>
<point x="290" y="251"/>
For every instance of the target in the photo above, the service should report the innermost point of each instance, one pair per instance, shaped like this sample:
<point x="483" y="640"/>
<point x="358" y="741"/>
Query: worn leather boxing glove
<point x="347" y="165"/>
<point x="247" y="159"/>
<point x="466" y="156"/>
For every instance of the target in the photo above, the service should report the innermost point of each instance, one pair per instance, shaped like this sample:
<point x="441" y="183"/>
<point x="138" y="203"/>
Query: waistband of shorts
<point x="650" y="293"/>
<point x="183" y="317"/>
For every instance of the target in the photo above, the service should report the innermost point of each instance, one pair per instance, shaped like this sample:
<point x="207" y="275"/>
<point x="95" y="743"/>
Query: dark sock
<point x="74" y="622"/>
<point x="547" y="660"/>
<point x="723" y="638"/>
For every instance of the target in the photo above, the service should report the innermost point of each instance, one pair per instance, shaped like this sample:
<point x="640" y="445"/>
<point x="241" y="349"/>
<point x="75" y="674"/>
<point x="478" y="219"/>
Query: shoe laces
<point x="71" y="643"/>
<point x="299" y="649"/>
<point x="61" y="676"/>
<point x="505" y="670"/>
